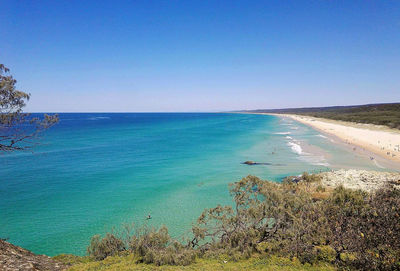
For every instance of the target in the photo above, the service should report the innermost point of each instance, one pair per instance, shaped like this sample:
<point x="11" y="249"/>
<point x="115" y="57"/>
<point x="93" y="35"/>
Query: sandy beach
<point x="379" y="140"/>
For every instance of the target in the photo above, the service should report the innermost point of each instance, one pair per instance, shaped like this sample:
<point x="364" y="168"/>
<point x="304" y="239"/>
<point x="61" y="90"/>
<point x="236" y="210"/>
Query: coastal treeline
<point x="379" y="114"/>
<point x="298" y="220"/>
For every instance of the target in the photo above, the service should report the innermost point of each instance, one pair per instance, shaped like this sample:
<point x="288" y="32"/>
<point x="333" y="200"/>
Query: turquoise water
<point x="95" y="171"/>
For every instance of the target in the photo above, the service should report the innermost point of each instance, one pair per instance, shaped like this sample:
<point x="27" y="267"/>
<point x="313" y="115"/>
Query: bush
<point x="156" y="246"/>
<point x="281" y="215"/>
<point x="325" y="254"/>
<point x="380" y="230"/>
<point x="146" y="240"/>
<point x="148" y="245"/>
<point x="311" y="178"/>
<point x="270" y="247"/>
<point x="101" y="248"/>
<point x="348" y="258"/>
<point x="285" y="219"/>
<point x="365" y="226"/>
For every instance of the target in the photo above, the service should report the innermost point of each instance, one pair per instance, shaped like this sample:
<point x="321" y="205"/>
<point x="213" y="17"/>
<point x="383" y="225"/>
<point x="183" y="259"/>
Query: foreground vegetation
<point x="380" y="114"/>
<point x="124" y="263"/>
<point x="296" y="225"/>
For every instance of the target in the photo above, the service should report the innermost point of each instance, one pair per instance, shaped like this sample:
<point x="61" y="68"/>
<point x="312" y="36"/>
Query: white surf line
<point x="378" y="165"/>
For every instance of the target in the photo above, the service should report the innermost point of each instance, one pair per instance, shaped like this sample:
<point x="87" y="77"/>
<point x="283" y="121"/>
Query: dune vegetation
<point x="380" y="114"/>
<point x="295" y="225"/>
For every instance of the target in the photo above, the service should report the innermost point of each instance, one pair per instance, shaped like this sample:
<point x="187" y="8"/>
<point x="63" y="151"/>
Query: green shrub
<point x="148" y="245"/>
<point x="348" y="258"/>
<point x="101" y="248"/>
<point x="149" y="239"/>
<point x="268" y="247"/>
<point x="325" y="254"/>
<point x="156" y="246"/>
<point x="311" y="178"/>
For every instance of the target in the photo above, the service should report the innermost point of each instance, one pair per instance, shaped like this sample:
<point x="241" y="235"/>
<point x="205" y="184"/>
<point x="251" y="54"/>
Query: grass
<point x="125" y="263"/>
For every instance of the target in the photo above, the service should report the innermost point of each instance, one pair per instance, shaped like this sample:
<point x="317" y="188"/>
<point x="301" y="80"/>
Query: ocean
<point x="93" y="172"/>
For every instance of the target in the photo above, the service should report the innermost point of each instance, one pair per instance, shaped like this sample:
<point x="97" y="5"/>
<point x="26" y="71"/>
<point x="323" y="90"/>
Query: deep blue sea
<point x="93" y="172"/>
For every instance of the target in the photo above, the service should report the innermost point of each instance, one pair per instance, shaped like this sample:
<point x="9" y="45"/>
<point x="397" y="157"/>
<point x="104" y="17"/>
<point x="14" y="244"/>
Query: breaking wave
<point x="296" y="148"/>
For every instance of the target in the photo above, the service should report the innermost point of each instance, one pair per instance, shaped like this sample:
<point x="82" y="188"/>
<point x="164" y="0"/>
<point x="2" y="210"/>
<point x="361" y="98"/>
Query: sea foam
<point x="296" y="148"/>
<point x="378" y="165"/>
<point x="317" y="160"/>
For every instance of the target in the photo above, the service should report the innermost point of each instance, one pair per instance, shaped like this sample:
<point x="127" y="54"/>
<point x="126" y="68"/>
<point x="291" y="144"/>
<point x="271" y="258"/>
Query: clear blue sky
<point x="201" y="55"/>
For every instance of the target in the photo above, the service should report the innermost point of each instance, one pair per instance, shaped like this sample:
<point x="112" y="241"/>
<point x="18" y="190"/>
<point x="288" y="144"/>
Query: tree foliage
<point x="283" y="215"/>
<point x="18" y="130"/>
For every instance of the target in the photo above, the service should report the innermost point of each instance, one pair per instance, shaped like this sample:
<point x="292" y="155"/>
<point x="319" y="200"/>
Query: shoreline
<point x="380" y="142"/>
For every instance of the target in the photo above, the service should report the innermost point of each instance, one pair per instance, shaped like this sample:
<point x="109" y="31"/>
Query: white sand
<point x="380" y="140"/>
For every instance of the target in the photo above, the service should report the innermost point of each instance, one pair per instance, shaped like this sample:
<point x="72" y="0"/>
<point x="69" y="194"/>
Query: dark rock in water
<point x="252" y="163"/>
<point x="17" y="258"/>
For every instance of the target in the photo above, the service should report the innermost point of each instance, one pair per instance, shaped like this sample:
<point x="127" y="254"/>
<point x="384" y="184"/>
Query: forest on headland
<point x="387" y="114"/>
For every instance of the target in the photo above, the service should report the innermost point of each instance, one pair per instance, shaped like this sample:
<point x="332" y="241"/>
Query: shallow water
<point x="96" y="171"/>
